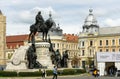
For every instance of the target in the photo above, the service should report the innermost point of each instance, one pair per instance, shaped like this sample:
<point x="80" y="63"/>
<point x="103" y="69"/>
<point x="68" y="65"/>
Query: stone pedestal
<point x="18" y="61"/>
<point x="43" y="54"/>
<point x="69" y="64"/>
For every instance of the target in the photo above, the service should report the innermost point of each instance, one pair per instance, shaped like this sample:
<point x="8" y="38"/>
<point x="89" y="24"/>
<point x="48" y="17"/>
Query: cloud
<point x="112" y="22"/>
<point x="71" y="28"/>
<point x="15" y="29"/>
<point x="23" y="19"/>
<point x="28" y="16"/>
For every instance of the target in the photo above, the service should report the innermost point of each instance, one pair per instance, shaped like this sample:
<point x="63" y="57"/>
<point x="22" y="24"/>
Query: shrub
<point x="8" y="74"/>
<point x="60" y="72"/>
<point x="68" y="72"/>
<point x="80" y="71"/>
<point x="30" y="74"/>
<point x="49" y="72"/>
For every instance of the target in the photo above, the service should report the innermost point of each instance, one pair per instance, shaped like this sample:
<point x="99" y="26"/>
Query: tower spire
<point x="50" y="14"/>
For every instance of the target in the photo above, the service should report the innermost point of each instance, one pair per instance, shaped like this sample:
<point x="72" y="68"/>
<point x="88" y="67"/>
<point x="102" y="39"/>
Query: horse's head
<point x="49" y="23"/>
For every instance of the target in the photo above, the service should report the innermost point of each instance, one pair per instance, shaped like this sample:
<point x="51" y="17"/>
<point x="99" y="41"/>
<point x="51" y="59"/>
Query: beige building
<point x="95" y="39"/>
<point x="2" y="38"/>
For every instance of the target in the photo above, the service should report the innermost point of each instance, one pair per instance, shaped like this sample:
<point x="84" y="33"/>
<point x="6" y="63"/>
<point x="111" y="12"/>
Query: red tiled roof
<point x="16" y="40"/>
<point x="71" y="37"/>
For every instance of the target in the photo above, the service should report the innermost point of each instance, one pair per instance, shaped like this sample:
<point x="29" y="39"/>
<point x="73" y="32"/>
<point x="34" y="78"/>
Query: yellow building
<point x="2" y="38"/>
<point x="95" y="39"/>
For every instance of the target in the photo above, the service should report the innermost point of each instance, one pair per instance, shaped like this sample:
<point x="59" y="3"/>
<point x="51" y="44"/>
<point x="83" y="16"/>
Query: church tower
<point x="2" y="38"/>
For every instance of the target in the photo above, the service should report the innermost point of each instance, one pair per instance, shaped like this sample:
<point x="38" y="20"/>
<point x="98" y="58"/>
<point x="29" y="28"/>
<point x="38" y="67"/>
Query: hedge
<point x="80" y="71"/>
<point x="39" y="73"/>
<point x="30" y="74"/>
<point x="8" y="74"/>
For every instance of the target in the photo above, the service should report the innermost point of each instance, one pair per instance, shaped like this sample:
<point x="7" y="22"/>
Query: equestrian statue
<point x="40" y="26"/>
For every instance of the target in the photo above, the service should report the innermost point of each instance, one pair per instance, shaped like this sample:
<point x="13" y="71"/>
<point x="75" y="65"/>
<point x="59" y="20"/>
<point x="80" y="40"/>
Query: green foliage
<point x="49" y="72"/>
<point x="60" y="72"/>
<point x="29" y="74"/>
<point x="68" y="72"/>
<point x="38" y="73"/>
<point x="80" y="71"/>
<point x="73" y="71"/>
<point x="8" y="74"/>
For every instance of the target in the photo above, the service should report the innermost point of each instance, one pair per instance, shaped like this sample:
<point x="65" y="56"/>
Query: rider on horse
<point x="39" y="20"/>
<point x="39" y="26"/>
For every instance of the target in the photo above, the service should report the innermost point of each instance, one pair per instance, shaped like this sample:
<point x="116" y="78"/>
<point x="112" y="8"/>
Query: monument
<point x="38" y="54"/>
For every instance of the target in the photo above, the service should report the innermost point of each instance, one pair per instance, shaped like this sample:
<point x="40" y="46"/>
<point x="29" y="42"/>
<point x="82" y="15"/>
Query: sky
<point x="69" y="14"/>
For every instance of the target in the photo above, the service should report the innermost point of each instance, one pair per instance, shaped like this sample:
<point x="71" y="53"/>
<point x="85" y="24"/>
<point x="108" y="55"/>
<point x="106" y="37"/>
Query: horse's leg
<point x="43" y="36"/>
<point x="46" y="36"/>
<point x="29" y="37"/>
<point x="33" y="37"/>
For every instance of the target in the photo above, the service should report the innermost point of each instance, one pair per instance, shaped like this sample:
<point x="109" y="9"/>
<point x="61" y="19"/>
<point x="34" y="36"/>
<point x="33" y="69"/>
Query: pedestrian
<point x="43" y="73"/>
<point x="55" y="72"/>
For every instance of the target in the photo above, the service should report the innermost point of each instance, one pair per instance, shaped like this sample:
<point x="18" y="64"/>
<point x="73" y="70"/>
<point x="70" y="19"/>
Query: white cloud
<point x="23" y="19"/>
<point x="15" y="29"/>
<point x="112" y="22"/>
<point x="71" y="28"/>
<point x="28" y="16"/>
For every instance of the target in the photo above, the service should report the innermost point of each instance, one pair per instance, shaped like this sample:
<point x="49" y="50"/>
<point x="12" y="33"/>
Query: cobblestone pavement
<point x="64" y="77"/>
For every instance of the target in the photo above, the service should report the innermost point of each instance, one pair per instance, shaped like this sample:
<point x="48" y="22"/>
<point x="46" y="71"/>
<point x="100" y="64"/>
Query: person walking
<point x="43" y="73"/>
<point x="55" y="72"/>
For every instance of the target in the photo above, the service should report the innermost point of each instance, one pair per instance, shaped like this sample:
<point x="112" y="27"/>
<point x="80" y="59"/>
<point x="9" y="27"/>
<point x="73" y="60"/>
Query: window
<point x="53" y="44"/>
<point x="113" y="50"/>
<point x="100" y="42"/>
<point x="106" y="42"/>
<point x="67" y="46"/>
<point x="82" y="43"/>
<point x="58" y="45"/>
<point x="83" y="52"/>
<point x="91" y="43"/>
<point x="83" y="64"/>
<point x="113" y="42"/>
<point x="100" y="50"/>
<point x="107" y="50"/>
<point x="119" y="41"/>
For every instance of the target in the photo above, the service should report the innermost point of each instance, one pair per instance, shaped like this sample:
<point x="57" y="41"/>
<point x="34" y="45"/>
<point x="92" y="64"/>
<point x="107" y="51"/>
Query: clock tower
<point x="2" y="38"/>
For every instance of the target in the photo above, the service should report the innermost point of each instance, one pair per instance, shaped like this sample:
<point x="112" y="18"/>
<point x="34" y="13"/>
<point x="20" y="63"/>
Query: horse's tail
<point x="32" y="27"/>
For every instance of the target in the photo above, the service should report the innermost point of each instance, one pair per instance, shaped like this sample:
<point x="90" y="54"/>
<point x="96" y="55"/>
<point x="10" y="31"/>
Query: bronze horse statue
<point x="40" y="27"/>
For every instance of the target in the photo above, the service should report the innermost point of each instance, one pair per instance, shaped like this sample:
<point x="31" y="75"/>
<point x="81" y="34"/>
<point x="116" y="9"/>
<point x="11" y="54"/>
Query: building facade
<point x="13" y="42"/>
<point x="2" y="38"/>
<point x="94" y="39"/>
